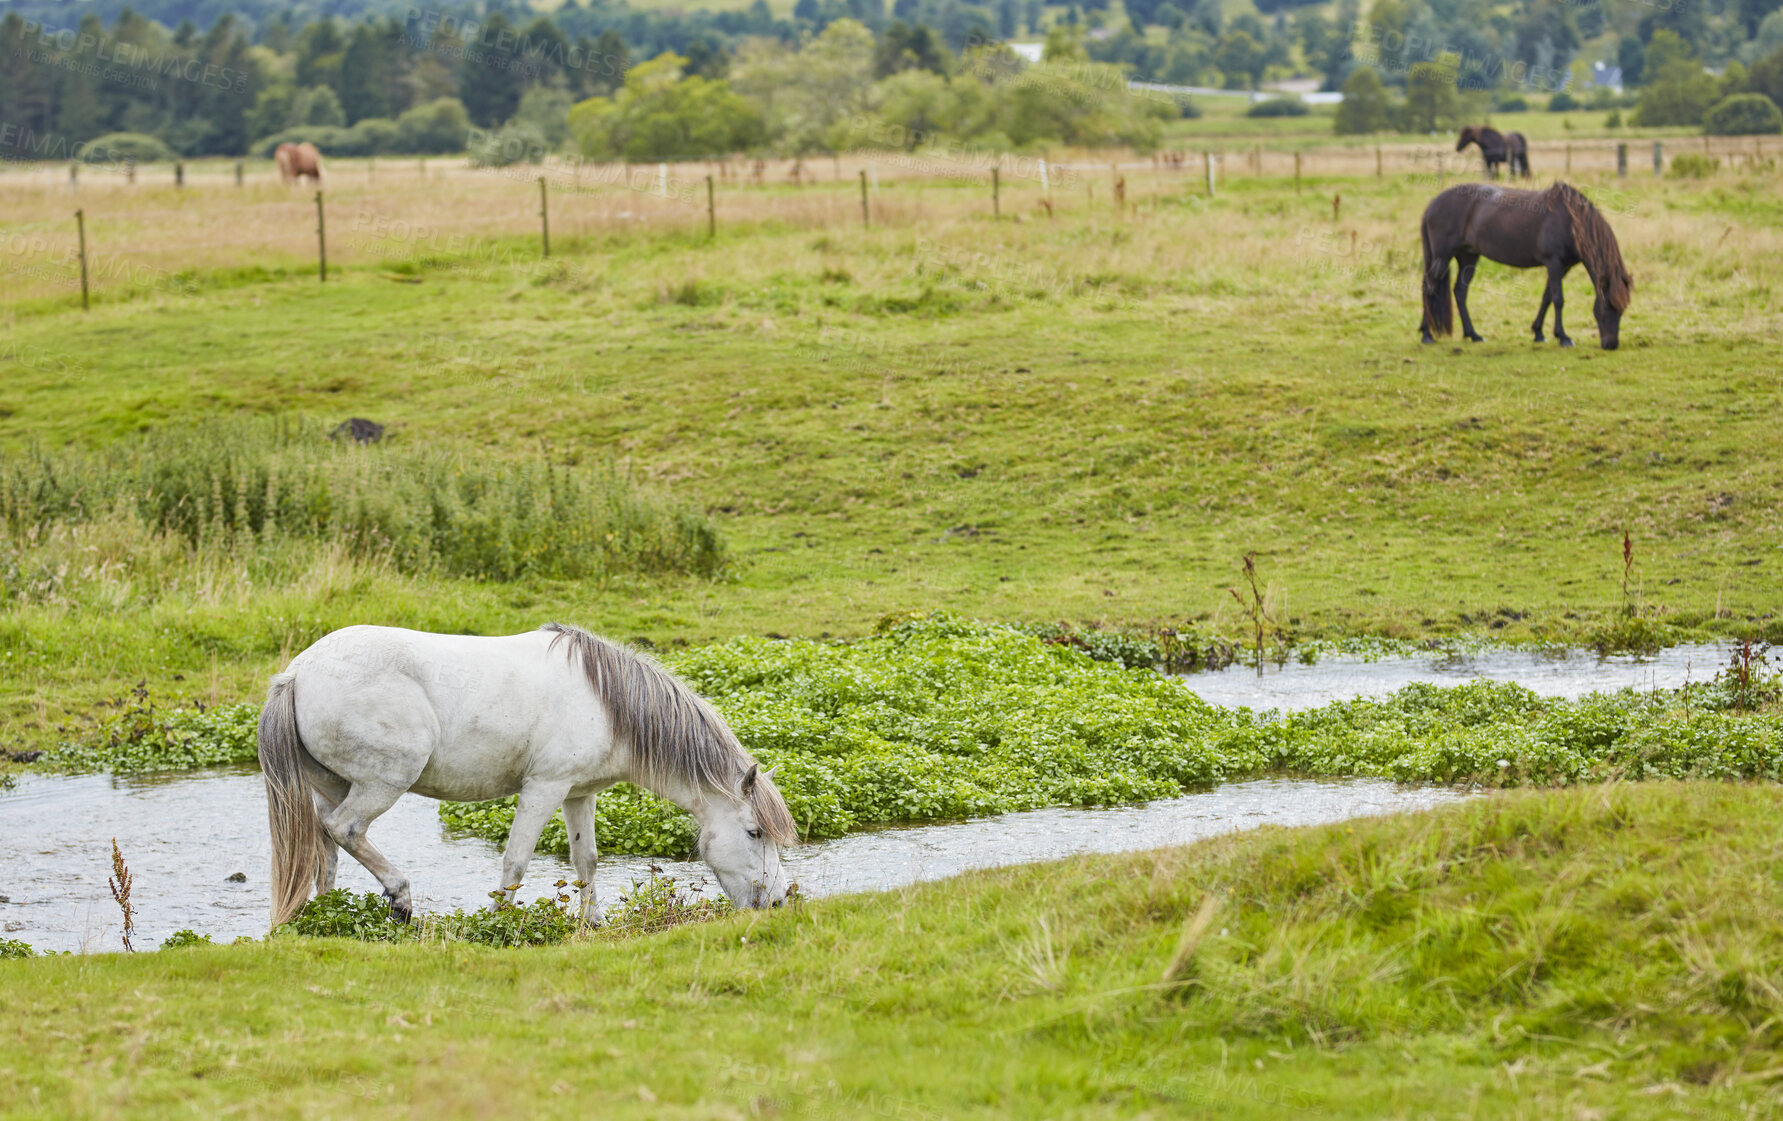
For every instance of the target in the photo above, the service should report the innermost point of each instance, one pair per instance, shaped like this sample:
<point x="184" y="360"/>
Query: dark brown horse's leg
<point x="1541" y="315"/>
<point x="1468" y="262"/>
<point x="1557" y="294"/>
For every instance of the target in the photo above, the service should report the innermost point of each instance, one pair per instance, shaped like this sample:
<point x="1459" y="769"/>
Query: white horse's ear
<point x="769" y="773"/>
<point x="749" y="780"/>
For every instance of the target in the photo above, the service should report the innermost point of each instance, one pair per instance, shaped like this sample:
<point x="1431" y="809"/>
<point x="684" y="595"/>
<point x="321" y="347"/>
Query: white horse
<point x="369" y="712"/>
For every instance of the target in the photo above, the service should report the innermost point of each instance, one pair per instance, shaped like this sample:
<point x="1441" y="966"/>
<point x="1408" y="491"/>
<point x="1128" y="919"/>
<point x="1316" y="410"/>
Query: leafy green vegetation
<point x="939" y="718"/>
<point x="649" y="907"/>
<point x="242" y="487"/>
<point x="1610" y="949"/>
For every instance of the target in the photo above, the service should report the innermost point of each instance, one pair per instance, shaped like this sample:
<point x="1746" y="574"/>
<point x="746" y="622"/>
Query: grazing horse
<point x="1553" y="229"/>
<point x="298" y="161"/>
<point x="555" y="715"/>
<point x="1497" y="148"/>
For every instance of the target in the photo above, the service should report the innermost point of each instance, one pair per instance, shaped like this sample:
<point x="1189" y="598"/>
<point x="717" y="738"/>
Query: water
<point x="184" y="835"/>
<point x="1571" y="674"/>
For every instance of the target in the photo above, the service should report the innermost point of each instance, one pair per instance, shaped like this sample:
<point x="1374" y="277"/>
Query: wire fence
<point x="146" y="227"/>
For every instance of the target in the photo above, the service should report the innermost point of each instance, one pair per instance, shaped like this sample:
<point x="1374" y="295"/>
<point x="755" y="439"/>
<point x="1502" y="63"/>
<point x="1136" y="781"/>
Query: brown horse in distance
<point x="1497" y="148"/>
<point x="1553" y="229"/>
<point x="298" y="161"/>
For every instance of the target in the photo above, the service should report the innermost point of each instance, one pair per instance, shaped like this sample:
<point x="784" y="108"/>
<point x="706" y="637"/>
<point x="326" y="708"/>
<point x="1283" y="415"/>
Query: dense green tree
<point x="661" y="114"/>
<point x="1766" y="76"/>
<point x="1631" y="56"/>
<point x="490" y="81"/>
<point x="1678" y="91"/>
<point x="1365" y="106"/>
<point x="320" y="51"/>
<point x="364" y="65"/>
<point x="909" y="48"/>
<point x="1240" y="58"/>
<point x="1431" y="100"/>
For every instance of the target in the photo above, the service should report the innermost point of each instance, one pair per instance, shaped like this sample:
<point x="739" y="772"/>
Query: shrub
<point x="246" y="486"/>
<point x="13" y="948"/>
<point x="511" y="144"/>
<point x="1561" y="102"/>
<point x="1744" y="114"/>
<point x="183" y="938"/>
<point x="1614" y="120"/>
<point x="374" y="136"/>
<point x="366" y="918"/>
<point x="126" y="147"/>
<point x="1694" y="165"/>
<point x="438" y="127"/>
<point x="341" y="914"/>
<point x="330" y="140"/>
<point x="1279" y="107"/>
<point x="1510" y="103"/>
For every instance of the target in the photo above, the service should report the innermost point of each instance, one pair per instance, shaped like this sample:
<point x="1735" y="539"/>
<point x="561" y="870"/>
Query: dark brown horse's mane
<point x="1597" y="244"/>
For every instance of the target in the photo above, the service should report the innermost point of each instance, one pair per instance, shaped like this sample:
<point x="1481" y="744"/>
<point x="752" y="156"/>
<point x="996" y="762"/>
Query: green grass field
<point x="1090" y="418"/>
<point x="1605" y="952"/>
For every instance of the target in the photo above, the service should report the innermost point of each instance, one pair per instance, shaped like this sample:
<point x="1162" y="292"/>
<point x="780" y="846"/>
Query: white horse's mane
<point x="671" y="731"/>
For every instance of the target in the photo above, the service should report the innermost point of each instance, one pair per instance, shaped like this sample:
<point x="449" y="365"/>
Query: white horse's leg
<point x="330" y="851"/>
<point x="537" y="800"/>
<point x="578" y="817"/>
<point x="347" y="825"/>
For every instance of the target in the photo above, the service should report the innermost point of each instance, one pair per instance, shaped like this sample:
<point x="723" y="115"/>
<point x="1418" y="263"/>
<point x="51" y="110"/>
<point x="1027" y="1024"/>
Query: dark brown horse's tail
<point x="1439" y="313"/>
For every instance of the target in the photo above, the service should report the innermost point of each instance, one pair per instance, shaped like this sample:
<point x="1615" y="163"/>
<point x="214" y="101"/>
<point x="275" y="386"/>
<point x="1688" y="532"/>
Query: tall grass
<point x="249" y="490"/>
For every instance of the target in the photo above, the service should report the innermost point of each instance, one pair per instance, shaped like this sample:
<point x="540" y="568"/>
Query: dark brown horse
<point x="1553" y="229"/>
<point x="1497" y="148"/>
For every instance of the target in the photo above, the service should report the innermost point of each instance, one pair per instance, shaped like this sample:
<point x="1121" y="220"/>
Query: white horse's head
<point x="740" y="839"/>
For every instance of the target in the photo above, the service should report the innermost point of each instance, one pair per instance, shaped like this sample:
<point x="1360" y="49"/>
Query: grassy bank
<point x="1090" y="417"/>
<point x="1610" y="952"/>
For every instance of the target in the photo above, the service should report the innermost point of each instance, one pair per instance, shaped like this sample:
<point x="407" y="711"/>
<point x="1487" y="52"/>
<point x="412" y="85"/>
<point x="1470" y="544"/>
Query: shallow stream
<point x="185" y="835"/>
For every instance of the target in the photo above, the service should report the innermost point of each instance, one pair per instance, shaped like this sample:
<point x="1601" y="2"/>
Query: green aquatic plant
<point x="938" y="717"/>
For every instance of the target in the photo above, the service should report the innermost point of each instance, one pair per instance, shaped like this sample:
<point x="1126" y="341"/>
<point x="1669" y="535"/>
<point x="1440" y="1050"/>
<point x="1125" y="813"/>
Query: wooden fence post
<point x="865" y="219"/>
<point x="1622" y="161"/>
<point x="1658" y="158"/>
<point x="238" y="173"/>
<point x="1377" y="161"/>
<point x="321" y="242"/>
<point x="996" y="200"/>
<point x="544" y="221"/>
<point x="1209" y="157"/>
<point x="80" y="226"/>
<point x="711" y="212"/>
<point x="1296" y="172"/>
<point x="179" y="173"/>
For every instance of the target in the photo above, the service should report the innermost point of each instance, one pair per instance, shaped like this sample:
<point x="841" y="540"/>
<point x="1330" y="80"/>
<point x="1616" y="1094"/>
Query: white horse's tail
<point x="290" y="804"/>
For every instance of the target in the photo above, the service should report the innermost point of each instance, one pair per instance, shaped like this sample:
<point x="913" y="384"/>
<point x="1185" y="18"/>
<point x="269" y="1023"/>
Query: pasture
<point x="1091" y="417"/>
<point x="1078" y="409"/>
